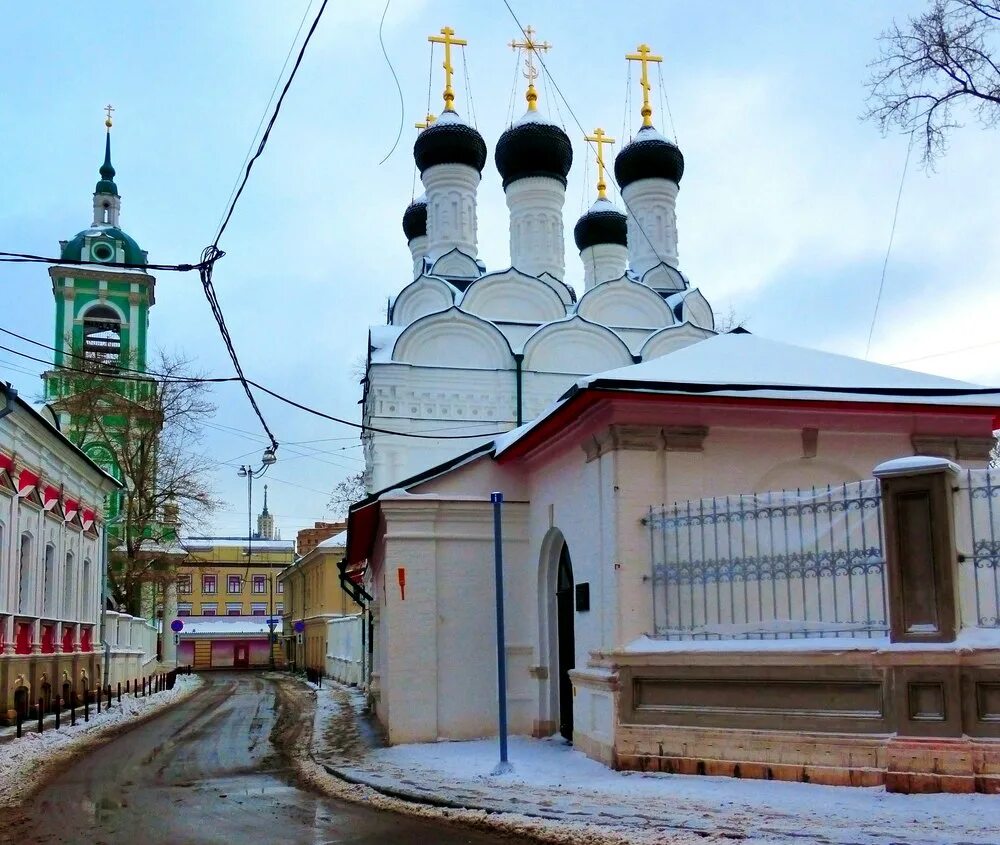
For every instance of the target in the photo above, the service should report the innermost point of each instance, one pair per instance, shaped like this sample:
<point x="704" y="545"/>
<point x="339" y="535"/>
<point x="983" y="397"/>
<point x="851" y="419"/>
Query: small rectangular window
<point x="234" y="585"/>
<point x="259" y="583"/>
<point x="208" y="583"/>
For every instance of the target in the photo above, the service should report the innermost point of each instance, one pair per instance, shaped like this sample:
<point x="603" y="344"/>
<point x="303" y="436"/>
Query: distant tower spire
<point x="265" y="522"/>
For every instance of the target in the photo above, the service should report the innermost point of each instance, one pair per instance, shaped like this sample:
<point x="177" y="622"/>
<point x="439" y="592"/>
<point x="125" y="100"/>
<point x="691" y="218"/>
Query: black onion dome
<point x="533" y="147"/>
<point x="415" y="219"/>
<point x="602" y="224"/>
<point x="649" y="156"/>
<point x="449" y="141"/>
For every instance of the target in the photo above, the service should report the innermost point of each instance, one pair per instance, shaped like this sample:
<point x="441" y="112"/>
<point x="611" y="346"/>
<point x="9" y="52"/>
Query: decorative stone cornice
<point x="953" y="448"/>
<point x="645" y="438"/>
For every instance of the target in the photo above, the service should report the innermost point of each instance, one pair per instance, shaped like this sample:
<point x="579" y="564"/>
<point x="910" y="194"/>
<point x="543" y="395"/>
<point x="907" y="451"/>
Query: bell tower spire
<point x="107" y="202"/>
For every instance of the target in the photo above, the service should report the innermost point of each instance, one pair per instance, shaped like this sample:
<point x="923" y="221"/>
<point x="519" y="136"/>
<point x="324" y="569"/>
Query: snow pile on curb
<point x="558" y="788"/>
<point x="25" y="762"/>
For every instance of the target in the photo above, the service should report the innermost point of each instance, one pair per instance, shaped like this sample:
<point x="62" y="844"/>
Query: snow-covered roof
<point x="383" y="339"/>
<point x="234" y="626"/>
<point x="228" y="542"/>
<point x="337" y="541"/>
<point x="744" y="364"/>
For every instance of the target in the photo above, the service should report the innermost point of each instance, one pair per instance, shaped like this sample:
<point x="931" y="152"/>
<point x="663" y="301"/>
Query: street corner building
<point x="52" y="550"/>
<point x="721" y="554"/>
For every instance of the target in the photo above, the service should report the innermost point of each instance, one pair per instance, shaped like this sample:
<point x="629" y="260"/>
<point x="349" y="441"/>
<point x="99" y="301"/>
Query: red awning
<point x="361" y="527"/>
<point x="70" y="510"/>
<point x="88" y="519"/>
<point x="50" y="497"/>
<point x="27" y="481"/>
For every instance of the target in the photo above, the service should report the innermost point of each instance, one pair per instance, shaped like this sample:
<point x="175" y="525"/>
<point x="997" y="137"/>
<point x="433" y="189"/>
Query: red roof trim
<point x="563" y="415"/>
<point x="361" y="527"/>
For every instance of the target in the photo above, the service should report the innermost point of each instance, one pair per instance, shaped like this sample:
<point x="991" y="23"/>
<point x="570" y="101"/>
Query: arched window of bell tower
<point x="102" y="336"/>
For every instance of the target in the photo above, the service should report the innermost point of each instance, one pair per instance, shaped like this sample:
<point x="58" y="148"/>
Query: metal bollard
<point x="127" y="690"/>
<point x="72" y="709"/>
<point x="59" y="706"/>
<point x="98" y="696"/>
<point x="41" y="714"/>
<point x="86" y="704"/>
<point x="109" y="696"/>
<point x="120" y="690"/>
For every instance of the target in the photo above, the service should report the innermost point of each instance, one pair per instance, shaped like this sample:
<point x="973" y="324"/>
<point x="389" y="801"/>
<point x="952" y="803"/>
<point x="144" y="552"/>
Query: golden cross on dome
<point x="644" y="57"/>
<point x="600" y="139"/>
<point x="530" y="47"/>
<point x="446" y="38"/>
<point x="427" y="122"/>
<point x="107" y="110"/>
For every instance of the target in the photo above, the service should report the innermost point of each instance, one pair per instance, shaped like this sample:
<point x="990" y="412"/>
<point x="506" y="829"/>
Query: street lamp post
<point x="249" y="473"/>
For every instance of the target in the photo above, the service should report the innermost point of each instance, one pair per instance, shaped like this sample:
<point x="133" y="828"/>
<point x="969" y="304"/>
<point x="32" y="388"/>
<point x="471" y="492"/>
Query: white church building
<point x="713" y="563"/>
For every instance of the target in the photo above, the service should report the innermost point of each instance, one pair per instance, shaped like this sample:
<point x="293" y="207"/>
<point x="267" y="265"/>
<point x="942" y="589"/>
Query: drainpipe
<point x="518" y="362"/>
<point x="10" y="395"/>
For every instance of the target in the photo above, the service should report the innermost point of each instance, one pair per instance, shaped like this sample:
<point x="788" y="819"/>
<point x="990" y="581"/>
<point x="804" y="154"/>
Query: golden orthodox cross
<point x="446" y="38"/>
<point x="426" y="122"/>
<point x="600" y="139"/>
<point x="107" y="110"/>
<point x="530" y="47"/>
<point x="644" y="57"/>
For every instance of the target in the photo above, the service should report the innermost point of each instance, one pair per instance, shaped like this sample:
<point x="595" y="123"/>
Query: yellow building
<point x="223" y="576"/>
<point x="312" y="595"/>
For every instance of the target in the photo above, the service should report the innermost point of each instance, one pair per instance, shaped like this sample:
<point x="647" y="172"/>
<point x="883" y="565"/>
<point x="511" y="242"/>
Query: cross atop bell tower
<point x="446" y="38"/>
<point x="644" y="55"/>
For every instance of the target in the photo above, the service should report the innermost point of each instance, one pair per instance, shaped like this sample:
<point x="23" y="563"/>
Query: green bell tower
<point x="103" y="294"/>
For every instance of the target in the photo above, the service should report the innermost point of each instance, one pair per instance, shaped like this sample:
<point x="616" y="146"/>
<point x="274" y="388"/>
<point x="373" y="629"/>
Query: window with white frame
<point x="69" y="587"/>
<point x="183" y="608"/>
<point x="234" y="584"/>
<point x="24" y="602"/>
<point x="208" y="583"/>
<point x="258" y="610"/>
<point x="259" y="583"/>
<point x="86" y="611"/>
<point x="281" y="587"/>
<point x="184" y="584"/>
<point x="49" y="582"/>
<point x="209" y="609"/>
<point x="234" y="609"/>
<point x="279" y="608"/>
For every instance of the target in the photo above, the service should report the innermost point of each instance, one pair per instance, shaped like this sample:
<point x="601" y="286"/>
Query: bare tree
<point x="346" y="493"/>
<point x="148" y="431"/>
<point x="728" y="321"/>
<point x="944" y="60"/>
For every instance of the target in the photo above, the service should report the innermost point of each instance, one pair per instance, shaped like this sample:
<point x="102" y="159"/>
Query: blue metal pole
<point x="497" y="500"/>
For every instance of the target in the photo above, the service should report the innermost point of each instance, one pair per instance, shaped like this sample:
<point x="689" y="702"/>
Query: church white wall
<point x="451" y="208"/>
<point x="418" y="251"/>
<point x="575" y="346"/>
<point x="513" y="296"/>
<point x="424" y="295"/>
<point x="536" y="226"/>
<point x="623" y="302"/>
<point x="652" y="223"/>
<point x="602" y="263"/>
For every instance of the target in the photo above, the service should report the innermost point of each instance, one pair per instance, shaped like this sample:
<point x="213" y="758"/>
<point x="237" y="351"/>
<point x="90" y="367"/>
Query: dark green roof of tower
<point x="107" y="184"/>
<point x="74" y="249"/>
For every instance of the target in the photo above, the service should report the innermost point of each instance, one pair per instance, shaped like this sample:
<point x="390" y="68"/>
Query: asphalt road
<point x="208" y="771"/>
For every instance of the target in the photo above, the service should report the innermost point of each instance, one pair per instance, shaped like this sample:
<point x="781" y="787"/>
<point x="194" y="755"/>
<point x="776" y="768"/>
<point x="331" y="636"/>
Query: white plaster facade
<point x="584" y="475"/>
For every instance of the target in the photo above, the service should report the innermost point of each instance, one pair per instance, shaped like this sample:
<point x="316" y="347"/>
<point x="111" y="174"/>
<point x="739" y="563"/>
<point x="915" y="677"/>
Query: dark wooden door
<point x="567" y="643"/>
<point x="241" y="655"/>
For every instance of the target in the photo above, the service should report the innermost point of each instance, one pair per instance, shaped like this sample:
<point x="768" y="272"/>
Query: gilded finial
<point x="530" y="47"/>
<point x="107" y="110"/>
<point x="600" y="139"/>
<point x="426" y="122"/>
<point x="644" y="56"/>
<point x="446" y="38"/>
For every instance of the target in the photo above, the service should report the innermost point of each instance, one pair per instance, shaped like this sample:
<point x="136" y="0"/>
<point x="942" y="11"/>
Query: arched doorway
<point x="566" y="641"/>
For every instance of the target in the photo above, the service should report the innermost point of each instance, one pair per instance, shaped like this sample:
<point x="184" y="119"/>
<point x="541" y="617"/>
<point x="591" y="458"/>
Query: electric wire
<point x="468" y="90"/>
<point x="274" y="394"/>
<point x="392" y="70"/>
<point x="888" y="249"/>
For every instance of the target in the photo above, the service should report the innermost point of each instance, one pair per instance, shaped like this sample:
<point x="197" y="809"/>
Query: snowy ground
<point x="554" y="784"/>
<point x="26" y="761"/>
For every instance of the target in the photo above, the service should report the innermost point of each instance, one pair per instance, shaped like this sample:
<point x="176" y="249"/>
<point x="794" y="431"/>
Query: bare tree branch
<point x="944" y="58"/>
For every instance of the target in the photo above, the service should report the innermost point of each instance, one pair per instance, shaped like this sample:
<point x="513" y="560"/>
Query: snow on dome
<point x="449" y="140"/>
<point x="533" y="146"/>
<point x="649" y="155"/>
<point x="602" y="224"/>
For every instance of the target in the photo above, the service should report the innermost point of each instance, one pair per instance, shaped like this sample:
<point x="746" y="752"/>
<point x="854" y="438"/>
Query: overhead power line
<point x="138" y="375"/>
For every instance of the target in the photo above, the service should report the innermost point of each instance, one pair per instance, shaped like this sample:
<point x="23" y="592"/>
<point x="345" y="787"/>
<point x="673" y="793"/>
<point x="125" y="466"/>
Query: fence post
<point x="41" y="714"/>
<point x="120" y="691"/>
<point x="59" y="704"/>
<point x="72" y="709"/>
<point x="98" y="691"/>
<point x="109" y="696"/>
<point x="86" y="704"/>
<point x="920" y="554"/>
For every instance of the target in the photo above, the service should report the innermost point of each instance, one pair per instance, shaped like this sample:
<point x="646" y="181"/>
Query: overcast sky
<point x="784" y="213"/>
